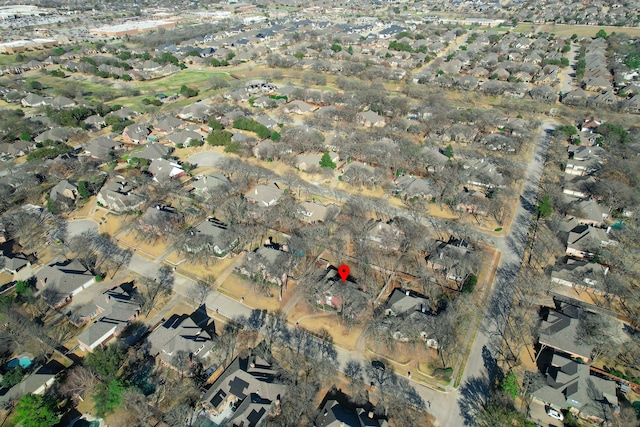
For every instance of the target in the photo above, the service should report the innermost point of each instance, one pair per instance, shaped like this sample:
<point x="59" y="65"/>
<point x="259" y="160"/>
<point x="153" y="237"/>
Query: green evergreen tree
<point x="449" y="151"/>
<point x="35" y="411"/>
<point x="326" y="162"/>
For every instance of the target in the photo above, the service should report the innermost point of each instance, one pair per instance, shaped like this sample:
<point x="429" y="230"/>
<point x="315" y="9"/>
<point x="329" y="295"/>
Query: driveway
<point x="206" y="158"/>
<point x="538" y="414"/>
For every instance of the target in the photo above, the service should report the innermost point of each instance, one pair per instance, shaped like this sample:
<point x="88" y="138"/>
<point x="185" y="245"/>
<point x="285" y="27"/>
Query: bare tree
<point x="80" y="381"/>
<point x="201" y="288"/>
<point x="162" y="285"/>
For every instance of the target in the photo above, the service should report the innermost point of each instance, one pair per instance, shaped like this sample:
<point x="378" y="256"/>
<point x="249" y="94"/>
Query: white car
<point x="554" y="414"/>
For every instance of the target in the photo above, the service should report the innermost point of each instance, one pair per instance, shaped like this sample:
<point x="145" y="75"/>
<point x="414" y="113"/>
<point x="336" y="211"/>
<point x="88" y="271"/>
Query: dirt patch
<point x="199" y="270"/>
<point x="152" y="250"/>
<point x="315" y="321"/>
<point x="243" y="290"/>
<point x="109" y="223"/>
<point x="5" y="278"/>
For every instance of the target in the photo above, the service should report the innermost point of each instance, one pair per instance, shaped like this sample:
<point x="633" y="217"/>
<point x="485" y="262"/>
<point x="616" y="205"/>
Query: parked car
<point x="554" y="414"/>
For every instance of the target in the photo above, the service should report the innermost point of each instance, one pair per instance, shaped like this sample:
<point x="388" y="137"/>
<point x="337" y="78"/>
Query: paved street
<point x="79" y="226"/>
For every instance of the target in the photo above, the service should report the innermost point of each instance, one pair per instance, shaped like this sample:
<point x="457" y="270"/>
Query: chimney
<point x="370" y="415"/>
<point x="406" y="293"/>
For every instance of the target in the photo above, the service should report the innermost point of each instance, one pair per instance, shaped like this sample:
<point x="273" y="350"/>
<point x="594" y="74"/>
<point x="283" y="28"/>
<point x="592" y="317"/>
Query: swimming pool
<point x="23" y="361"/>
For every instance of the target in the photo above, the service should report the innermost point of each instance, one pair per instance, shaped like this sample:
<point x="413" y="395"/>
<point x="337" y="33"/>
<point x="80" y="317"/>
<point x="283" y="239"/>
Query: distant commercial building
<point x="129" y="28"/>
<point x="16" y="11"/>
<point x="18" y="46"/>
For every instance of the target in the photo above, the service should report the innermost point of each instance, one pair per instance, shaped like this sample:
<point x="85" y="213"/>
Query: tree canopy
<point x="35" y="411"/>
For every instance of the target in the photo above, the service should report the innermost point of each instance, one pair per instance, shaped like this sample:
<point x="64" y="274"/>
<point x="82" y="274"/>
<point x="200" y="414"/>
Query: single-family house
<point x="159" y="220"/>
<point x="184" y="138"/>
<point x="64" y="192"/>
<point x="95" y="121"/>
<point x="135" y="134"/>
<point x="580" y="274"/>
<point x="403" y="302"/>
<point x="118" y="195"/>
<point x="124" y="113"/>
<point x="483" y="174"/>
<point x="313" y="212"/>
<point x="453" y="257"/>
<point x="113" y="310"/>
<point x="264" y="195"/>
<point x="334" y="414"/>
<point x="102" y="148"/>
<point x="559" y="331"/>
<point x="408" y="187"/>
<point x="247" y="393"/>
<point x="56" y="134"/>
<point x="191" y="333"/>
<point x="578" y="185"/>
<point x="12" y="263"/>
<point x="370" y="119"/>
<point x="590" y="212"/>
<point x="582" y="239"/>
<point x="207" y="185"/>
<point x="33" y="100"/>
<point x="584" y="160"/>
<point x="163" y="169"/>
<point x="346" y="297"/>
<point x="570" y="385"/>
<point x="298" y="107"/>
<point x="60" y="281"/>
<point x="385" y="235"/>
<point x="269" y="263"/>
<point x="198" y="112"/>
<point x="60" y="102"/>
<point x="210" y="236"/>
<point x="36" y="383"/>
<point x="169" y="124"/>
<point x="151" y="152"/>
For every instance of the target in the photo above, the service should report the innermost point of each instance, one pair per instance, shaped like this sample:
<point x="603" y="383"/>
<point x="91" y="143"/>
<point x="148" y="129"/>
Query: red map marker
<point x="343" y="271"/>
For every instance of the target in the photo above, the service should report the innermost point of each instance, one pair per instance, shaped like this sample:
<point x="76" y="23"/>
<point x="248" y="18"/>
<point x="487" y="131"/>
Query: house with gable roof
<point x="135" y="134"/>
<point x="247" y="393"/>
<point x="313" y="212"/>
<point x="559" y="330"/>
<point x="187" y="332"/>
<point x="265" y="195"/>
<point x="211" y="235"/>
<point x="119" y="195"/>
<point x="370" y="119"/>
<point x="570" y="385"/>
<point x="113" y="311"/>
<point x="58" y="282"/>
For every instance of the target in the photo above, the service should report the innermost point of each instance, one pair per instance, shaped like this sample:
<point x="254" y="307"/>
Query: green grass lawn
<point x="7" y="59"/>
